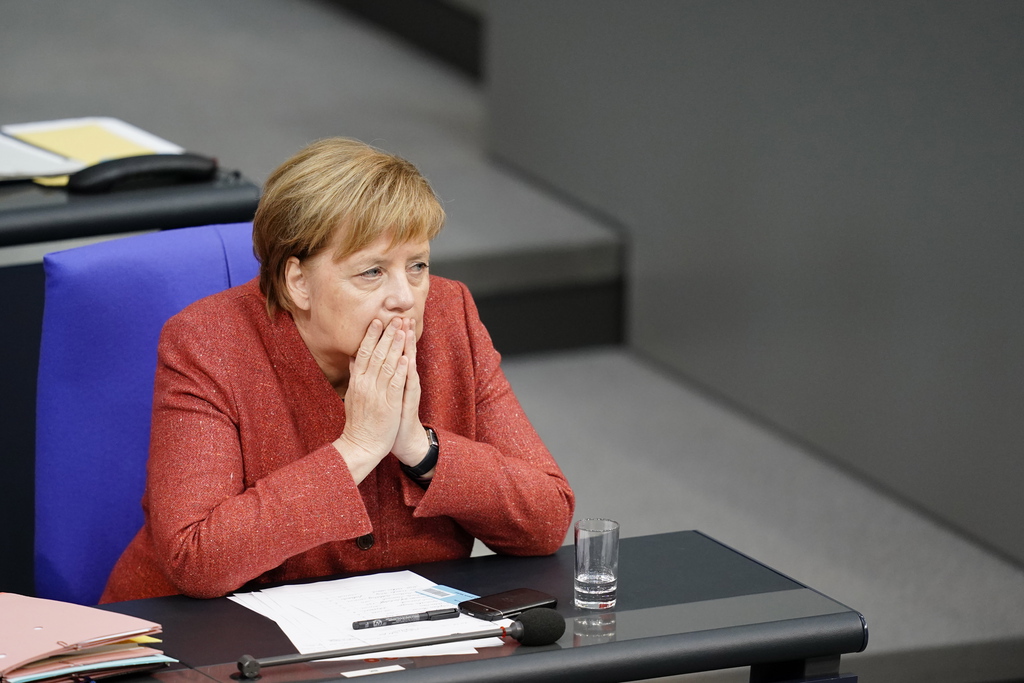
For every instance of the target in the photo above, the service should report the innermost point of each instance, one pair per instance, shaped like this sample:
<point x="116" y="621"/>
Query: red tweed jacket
<point x="245" y="488"/>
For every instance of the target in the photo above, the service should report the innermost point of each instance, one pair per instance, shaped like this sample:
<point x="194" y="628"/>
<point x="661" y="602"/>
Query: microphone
<point x="538" y="626"/>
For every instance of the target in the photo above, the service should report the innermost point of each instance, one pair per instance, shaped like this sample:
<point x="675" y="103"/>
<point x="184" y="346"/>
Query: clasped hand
<point x="383" y="399"/>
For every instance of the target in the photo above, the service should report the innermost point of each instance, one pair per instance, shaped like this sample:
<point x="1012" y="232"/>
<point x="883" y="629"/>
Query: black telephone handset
<point x="147" y="170"/>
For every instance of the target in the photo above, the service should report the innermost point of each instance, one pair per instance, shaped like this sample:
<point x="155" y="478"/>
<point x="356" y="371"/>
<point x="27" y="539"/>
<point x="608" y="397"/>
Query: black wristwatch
<point x="429" y="462"/>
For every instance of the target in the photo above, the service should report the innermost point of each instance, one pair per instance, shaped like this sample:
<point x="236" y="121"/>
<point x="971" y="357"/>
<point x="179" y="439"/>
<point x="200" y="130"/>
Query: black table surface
<point x="30" y="213"/>
<point x="686" y="603"/>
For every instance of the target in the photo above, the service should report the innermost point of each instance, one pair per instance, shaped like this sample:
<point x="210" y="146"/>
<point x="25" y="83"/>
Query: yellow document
<point x="89" y="143"/>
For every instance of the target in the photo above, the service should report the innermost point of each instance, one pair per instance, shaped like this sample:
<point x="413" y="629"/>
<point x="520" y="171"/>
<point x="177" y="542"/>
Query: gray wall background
<point x="824" y="208"/>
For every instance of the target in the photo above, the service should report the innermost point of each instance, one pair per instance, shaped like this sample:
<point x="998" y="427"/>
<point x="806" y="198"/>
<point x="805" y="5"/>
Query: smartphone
<point x="506" y="605"/>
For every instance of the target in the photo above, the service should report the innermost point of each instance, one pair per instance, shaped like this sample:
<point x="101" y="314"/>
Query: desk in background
<point x="686" y="603"/>
<point x="31" y="214"/>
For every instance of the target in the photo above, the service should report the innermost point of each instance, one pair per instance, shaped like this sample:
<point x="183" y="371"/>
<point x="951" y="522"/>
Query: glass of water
<point x="597" y="563"/>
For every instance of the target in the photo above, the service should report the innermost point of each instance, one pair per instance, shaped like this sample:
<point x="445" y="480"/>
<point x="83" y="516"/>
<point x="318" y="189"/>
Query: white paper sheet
<point x="318" y="616"/>
<point x="20" y="161"/>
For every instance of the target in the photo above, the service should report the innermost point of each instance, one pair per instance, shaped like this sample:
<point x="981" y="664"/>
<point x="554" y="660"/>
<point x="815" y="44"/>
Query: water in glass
<point x="595" y="590"/>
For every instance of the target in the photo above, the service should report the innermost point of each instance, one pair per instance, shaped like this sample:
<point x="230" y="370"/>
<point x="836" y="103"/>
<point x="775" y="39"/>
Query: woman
<point x="344" y="411"/>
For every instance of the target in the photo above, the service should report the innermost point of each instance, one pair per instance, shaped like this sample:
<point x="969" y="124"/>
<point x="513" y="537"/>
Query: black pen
<point x="432" y="615"/>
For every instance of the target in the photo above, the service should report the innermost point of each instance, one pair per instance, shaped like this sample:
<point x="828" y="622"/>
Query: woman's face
<point x="336" y="301"/>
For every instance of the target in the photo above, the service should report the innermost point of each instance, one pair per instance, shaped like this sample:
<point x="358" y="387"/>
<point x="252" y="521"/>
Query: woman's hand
<point x="376" y="398"/>
<point x="411" y="443"/>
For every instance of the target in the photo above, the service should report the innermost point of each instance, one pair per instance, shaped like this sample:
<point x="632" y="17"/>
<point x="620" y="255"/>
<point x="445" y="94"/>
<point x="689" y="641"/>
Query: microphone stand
<point x="249" y="667"/>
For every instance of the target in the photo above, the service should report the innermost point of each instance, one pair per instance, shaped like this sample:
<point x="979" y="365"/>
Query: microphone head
<point x="248" y="667"/>
<point x="541" y="626"/>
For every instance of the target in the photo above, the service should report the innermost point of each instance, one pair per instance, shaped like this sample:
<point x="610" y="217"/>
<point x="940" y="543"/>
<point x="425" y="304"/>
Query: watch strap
<point x="429" y="461"/>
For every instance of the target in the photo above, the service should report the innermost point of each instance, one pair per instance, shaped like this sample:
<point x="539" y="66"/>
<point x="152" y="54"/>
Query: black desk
<point x="30" y="213"/>
<point x="686" y="604"/>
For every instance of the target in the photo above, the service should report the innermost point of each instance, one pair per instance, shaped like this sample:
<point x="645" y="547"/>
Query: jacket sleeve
<point x="502" y="486"/>
<point x="214" y="528"/>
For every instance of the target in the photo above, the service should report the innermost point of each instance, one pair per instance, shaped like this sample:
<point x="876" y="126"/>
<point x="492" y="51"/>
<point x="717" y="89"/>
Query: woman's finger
<point x="410" y="343"/>
<point x="389" y="366"/>
<point x="411" y="439"/>
<point x="383" y="347"/>
<point x="396" y="387"/>
<point x="366" y="347"/>
<point x="412" y="383"/>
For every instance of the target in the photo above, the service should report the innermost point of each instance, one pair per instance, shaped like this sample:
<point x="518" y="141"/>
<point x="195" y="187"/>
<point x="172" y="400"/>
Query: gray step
<point x="644" y="448"/>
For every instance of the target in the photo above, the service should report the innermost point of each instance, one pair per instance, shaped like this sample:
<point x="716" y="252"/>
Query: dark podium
<point x="686" y="603"/>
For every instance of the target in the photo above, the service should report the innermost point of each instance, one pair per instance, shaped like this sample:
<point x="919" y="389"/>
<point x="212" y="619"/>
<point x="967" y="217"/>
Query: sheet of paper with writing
<point x="319" y="616"/>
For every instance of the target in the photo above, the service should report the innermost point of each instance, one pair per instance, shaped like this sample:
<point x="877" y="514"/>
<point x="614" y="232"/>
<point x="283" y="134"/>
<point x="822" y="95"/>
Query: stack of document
<point x="54" y="149"/>
<point x="48" y="640"/>
<point x="318" y="617"/>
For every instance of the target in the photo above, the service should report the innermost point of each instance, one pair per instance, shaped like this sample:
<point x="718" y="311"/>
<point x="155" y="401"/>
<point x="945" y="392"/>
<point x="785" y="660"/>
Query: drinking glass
<point x="597" y="563"/>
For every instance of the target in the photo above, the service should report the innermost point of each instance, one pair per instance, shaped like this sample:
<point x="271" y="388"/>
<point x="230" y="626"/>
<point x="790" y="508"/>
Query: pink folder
<point x="70" y="637"/>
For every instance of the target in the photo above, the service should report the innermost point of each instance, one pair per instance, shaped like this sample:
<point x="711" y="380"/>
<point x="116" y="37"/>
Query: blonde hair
<point x="338" y="188"/>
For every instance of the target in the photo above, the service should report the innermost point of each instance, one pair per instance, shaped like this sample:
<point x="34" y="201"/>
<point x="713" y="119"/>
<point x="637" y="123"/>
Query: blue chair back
<point x="105" y="306"/>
